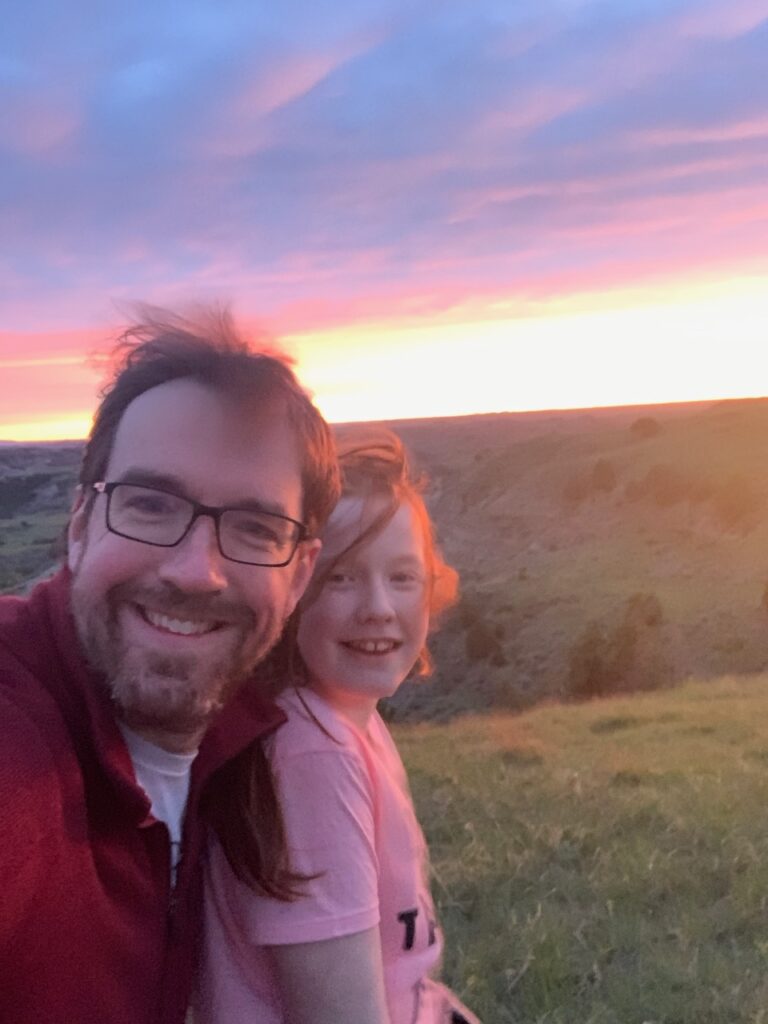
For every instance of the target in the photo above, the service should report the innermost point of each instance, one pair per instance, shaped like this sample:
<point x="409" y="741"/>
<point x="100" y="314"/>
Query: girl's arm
<point x="335" y="981"/>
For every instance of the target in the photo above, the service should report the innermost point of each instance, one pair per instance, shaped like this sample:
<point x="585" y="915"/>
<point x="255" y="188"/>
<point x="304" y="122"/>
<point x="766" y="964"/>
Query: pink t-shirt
<point x="349" y="819"/>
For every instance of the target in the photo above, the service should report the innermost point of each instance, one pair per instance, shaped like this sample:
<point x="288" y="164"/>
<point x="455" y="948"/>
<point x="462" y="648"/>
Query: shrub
<point x="587" y="664"/>
<point x="576" y="489"/>
<point x="605" y="660"/>
<point x="481" y="644"/>
<point x="736" y="505"/>
<point x="603" y="476"/>
<point x="645" y="427"/>
<point x="643" y="610"/>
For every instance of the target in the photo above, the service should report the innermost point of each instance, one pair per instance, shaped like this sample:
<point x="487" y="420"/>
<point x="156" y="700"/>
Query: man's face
<point x="176" y="630"/>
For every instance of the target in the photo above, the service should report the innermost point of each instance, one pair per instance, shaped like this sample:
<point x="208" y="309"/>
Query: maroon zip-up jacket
<point x="90" y="932"/>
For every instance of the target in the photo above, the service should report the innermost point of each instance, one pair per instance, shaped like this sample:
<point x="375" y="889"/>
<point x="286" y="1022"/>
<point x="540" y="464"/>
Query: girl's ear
<point x="306" y="558"/>
<point x="78" y="521"/>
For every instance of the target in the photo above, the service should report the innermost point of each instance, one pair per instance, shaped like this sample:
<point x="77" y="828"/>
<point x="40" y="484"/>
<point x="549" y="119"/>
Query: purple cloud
<point x="318" y="162"/>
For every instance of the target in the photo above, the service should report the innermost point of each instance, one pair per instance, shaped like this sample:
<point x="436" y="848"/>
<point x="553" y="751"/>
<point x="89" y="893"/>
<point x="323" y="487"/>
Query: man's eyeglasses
<point x="154" y="516"/>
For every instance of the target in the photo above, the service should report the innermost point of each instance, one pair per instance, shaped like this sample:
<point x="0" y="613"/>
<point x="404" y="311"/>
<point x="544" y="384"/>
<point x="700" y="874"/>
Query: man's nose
<point x="196" y="564"/>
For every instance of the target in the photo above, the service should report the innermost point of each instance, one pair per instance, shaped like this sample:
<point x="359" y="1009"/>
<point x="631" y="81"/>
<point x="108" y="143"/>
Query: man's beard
<point x="158" y="692"/>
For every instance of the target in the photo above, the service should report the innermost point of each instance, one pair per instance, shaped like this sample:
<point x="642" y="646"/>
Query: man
<point x="127" y="679"/>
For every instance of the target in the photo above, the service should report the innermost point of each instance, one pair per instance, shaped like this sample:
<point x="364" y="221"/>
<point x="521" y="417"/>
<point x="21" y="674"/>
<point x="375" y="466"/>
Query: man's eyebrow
<point x="151" y="478"/>
<point x="168" y="482"/>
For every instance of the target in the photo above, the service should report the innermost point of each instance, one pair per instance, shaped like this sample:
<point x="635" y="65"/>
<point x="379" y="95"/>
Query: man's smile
<point x="181" y="627"/>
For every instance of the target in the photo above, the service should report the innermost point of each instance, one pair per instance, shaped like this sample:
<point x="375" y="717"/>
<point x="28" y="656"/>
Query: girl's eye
<point x="338" y="577"/>
<point x="406" y="578"/>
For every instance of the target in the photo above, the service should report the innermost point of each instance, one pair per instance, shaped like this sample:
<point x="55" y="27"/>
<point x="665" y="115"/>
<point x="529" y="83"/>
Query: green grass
<point x="605" y="863"/>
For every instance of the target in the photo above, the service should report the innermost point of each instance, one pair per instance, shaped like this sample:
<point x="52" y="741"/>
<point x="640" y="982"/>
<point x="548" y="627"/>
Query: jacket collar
<point x="47" y="644"/>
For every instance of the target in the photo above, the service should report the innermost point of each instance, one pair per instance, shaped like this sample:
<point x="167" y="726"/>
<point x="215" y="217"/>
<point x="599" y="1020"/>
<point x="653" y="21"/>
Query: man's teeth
<point x="184" y="627"/>
<point x="372" y="646"/>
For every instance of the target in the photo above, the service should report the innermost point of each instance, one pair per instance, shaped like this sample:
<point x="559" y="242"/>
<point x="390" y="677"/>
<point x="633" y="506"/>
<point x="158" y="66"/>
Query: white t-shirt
<point x="164" y="777"/>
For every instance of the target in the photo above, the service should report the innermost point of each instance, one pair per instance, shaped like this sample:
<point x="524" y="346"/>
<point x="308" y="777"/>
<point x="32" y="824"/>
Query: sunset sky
<point x="441" y="207"/>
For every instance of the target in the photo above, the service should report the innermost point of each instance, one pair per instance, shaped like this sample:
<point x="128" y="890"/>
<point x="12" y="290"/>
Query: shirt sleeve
<point x="328" y="811"/>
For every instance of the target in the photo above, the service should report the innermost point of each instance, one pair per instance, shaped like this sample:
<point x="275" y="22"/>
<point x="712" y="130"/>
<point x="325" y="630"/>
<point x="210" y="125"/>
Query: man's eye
<point x="150" y="505"/>
<point x="255" y="530"/>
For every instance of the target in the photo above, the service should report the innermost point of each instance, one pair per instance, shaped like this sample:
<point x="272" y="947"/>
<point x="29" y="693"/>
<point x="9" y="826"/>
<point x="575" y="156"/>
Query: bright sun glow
<point x="704" y="341"/>
<point x="67" y="428"/>
<point x="707" y="344"/>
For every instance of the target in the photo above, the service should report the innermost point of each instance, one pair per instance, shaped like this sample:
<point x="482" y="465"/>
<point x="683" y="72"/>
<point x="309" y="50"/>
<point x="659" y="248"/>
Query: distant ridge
<point x="598" y="411"/>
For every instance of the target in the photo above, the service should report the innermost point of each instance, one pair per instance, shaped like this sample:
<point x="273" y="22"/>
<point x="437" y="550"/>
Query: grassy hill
<point x="604" y="863"/>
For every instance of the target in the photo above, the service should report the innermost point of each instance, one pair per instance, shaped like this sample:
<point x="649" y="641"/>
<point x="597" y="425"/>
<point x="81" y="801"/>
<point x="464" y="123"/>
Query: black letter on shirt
<point x="408" y="917"/>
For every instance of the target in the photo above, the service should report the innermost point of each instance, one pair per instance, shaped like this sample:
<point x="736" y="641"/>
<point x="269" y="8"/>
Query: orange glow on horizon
<point x="697" y="342"/>
<point x="703" y="343"/>
<point x="68" y="428"/>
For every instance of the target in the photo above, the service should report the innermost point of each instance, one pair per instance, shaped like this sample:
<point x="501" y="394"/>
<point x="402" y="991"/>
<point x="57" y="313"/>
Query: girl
<point x="317" y="906"/>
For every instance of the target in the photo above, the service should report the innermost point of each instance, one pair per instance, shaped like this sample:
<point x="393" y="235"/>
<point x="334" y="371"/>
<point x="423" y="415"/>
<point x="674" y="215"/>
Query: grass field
<point x="604" y="863"/>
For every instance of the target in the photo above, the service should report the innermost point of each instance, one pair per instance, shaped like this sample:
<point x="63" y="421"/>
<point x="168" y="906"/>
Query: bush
<point x="603" y="476"/>
<point x="601" y="479"/>
<point x="736" y="505"/>
<point x="587" y="664"/>
<point x="481" y="644"/>
<point x="576" y="489"/>
<point x="643" y="610"/>
<point x="604" y="661"/>
<point x="644" y="428"/>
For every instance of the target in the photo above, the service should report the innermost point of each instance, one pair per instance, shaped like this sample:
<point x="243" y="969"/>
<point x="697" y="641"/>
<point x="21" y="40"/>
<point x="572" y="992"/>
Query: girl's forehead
<point x="353" y="516"/>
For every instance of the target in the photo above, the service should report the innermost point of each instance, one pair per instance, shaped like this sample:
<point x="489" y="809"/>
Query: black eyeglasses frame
<point x="215" y="512"/>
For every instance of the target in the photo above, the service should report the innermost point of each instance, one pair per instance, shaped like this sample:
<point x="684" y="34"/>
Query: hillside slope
<point x="610" y="548"/>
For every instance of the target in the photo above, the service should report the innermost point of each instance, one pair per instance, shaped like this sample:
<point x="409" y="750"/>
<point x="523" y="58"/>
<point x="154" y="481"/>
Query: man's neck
<point x="173" y="742"/>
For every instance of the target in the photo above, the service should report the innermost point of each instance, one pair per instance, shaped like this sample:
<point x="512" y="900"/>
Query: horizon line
<point x="547" y="410"/>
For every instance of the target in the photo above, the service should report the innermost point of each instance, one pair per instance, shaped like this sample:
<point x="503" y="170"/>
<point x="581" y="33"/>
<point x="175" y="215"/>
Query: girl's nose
<point x="376" y="602"/>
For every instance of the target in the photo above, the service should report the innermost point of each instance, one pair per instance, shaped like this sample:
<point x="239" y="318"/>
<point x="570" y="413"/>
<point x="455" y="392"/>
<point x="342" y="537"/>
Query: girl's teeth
<point x="372" y="646"/>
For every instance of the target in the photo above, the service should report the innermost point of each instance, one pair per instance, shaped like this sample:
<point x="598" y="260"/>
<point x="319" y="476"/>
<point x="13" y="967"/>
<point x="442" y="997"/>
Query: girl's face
<point x="364" y="631"/>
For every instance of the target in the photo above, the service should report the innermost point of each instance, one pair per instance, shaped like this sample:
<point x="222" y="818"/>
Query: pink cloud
<point x="17" y="347"/>
<point x="524" y="112"/>
<point x="739" y="131"/>
<point x="715" y="18"/>
<point x="39" y="123"/>
<point x="240" y="127"/>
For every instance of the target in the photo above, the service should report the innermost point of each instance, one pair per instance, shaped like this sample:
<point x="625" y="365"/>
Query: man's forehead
<point x="214" y="441"/>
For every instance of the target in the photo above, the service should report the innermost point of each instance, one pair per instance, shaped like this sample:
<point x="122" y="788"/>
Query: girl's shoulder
<point x="311" y="725"/>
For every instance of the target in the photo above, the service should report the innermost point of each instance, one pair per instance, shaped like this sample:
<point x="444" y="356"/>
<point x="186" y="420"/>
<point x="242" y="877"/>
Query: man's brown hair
<point x="207" y="347"/>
